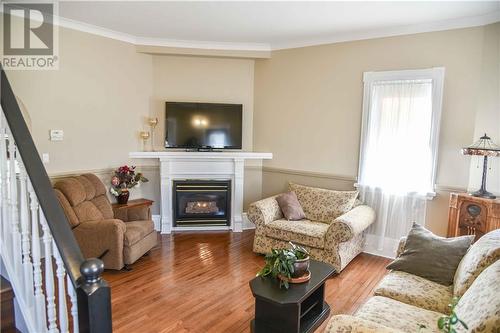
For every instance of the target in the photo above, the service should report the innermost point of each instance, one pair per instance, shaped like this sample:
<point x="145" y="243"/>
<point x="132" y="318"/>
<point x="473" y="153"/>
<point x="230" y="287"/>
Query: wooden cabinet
<point x="470" y="215"/>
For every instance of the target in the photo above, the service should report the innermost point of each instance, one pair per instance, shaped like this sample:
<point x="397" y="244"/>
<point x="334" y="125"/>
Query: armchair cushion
<point x="414" y="290"/>
<point x="321" y="204"/>
<point x="390" y="313"/>
<point x="351" y="324"/>
<point x="137" y="230"/>
<point x="302" y="232"/>
<point x="481" y="254"/>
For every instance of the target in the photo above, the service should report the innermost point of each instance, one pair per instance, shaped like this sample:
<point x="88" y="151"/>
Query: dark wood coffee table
<point x="300" y="309"/>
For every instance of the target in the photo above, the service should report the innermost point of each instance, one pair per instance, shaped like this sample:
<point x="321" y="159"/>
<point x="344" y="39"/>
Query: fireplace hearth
<point x="199" y="203"/>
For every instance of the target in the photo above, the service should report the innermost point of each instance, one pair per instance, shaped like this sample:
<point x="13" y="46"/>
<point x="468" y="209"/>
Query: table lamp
<point x="486" y="148"/>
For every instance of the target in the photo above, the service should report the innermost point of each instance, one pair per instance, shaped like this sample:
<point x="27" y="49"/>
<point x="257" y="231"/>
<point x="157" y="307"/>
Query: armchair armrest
<point x="102" y="237"/>
<point x="351" y="324"/>
<point x="264" y="211"/>
<point x="346" y="226"/>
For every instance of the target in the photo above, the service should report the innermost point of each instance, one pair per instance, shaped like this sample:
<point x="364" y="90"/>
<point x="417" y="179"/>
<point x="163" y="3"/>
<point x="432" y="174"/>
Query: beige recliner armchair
<point x="118" y="240"/>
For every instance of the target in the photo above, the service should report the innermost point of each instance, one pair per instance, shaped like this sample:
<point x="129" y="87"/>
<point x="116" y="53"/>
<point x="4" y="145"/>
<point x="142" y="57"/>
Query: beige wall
<point x="105" y="90"/>
<point x="308" y="104"/>
<point x="488" y="109"/>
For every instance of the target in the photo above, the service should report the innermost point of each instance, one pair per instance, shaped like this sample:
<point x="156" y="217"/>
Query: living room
<point x="345" y="127"/>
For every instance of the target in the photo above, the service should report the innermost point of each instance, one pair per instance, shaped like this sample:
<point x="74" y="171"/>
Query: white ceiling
<point x="269" y="25"/>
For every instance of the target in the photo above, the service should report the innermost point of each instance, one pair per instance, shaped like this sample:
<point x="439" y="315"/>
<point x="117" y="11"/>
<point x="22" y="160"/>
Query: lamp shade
<point x="483" y="147"/>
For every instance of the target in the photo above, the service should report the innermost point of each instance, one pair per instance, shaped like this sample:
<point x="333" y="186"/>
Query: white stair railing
<point x="24" y="234"/>
<point x="55" y="287"/>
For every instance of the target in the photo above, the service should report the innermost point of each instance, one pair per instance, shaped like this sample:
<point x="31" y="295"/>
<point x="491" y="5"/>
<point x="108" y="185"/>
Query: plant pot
<point x="123" y="198"/>
<point x="300" y="267"/>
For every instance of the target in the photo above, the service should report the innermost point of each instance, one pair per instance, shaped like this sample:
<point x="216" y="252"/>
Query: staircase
<point x="54" y="287"/>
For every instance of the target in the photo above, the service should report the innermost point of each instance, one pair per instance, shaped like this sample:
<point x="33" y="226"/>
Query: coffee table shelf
<point x="300" y="309"/>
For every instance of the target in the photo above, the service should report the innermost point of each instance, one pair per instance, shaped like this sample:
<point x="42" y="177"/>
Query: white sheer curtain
<point x="396" y="173"/>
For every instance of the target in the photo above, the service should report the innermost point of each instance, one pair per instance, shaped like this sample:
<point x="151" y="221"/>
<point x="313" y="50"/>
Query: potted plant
<point x="286" y="264"/>
<point x="123" y="180"/>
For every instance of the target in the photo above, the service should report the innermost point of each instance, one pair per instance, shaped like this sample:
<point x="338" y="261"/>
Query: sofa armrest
<point x="401" y="246"/>
<point x="102" y="238"/>
<point x="351" y="324"/>
<point x="264" y="211"/>
<point x="352" y="223"/>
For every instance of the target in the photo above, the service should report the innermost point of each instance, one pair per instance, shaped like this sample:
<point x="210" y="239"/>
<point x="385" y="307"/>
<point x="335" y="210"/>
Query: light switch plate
<point x="45" y="158"/>
<point x="56" y="135"/>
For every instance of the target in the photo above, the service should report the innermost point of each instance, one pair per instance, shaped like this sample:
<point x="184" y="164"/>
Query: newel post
<point x="94" y="299"/>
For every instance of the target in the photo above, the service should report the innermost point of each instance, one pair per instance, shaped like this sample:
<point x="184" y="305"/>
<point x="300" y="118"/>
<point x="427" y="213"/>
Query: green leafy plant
<point x="447" y="324"/>
<point x="279" y="263"/>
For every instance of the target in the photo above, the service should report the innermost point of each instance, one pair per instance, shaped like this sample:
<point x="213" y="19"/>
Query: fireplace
<point x="199" y="203"/>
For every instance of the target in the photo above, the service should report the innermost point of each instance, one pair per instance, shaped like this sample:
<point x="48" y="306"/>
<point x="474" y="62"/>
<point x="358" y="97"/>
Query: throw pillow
<point x="290" y="206"/>
<point x="431" y="257"/>
<point x="321" y="204"/>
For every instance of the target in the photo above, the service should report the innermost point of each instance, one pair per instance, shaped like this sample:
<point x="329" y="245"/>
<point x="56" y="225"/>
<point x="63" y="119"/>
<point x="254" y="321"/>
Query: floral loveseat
<point x="332" y="231"/>
<point x="403" y="301"/>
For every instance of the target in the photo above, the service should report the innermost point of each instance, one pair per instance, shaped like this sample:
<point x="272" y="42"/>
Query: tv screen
<point x="203" y="125"/>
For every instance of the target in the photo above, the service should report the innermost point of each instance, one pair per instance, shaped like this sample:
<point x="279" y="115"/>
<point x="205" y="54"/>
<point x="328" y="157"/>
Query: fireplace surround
<point x="182" y="165"/>
<point x="198" y="203"/>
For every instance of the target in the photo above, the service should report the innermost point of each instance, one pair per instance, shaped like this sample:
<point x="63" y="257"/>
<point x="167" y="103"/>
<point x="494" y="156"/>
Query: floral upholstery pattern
<point x="403" y="301"/>
<point x="321" y="204"/>
<point x="336" y="243"/>
<point x="390" y="313"/>
<point x="303" y="232"/>
<point x="415" y="290"/>
<point x="479" y="307"/>
<point x="480" y="255"/>
<point x="350" y="324"/>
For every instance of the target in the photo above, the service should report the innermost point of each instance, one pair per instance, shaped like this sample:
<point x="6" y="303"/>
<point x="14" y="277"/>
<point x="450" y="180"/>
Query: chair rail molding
<point x="201" y="165"/>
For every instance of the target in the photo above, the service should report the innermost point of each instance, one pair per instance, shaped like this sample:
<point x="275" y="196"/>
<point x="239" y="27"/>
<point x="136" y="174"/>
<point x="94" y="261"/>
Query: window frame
<point x="436" y="74"/>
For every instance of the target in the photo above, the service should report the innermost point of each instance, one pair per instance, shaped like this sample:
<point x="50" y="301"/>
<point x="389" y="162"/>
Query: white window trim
<point x="436" y="74"/>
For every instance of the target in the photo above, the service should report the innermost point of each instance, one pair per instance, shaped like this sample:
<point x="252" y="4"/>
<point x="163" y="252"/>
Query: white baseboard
<point x="157" y="222"/>
<point x="388" y="249"/>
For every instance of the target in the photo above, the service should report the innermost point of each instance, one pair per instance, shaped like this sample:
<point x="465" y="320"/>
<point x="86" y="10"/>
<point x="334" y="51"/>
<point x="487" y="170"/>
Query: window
<point x="400" y="129"/>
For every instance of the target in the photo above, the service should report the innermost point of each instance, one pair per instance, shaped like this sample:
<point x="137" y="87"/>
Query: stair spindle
<point x="49" y="275"/>
<point x="61" y="290"/>
<point x="40" y="314"/>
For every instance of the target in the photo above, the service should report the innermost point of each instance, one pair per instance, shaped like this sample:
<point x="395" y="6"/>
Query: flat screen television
<point x="203" y="125"/>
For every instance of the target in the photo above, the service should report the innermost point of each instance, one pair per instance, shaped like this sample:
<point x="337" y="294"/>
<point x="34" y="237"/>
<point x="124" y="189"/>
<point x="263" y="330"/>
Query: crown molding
<point x="464" y="22"/>
<point x="174" y="43"/>
<point x="459" y="23"/>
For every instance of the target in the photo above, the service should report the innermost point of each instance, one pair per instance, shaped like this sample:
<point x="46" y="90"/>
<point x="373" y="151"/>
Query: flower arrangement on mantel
<point x="124" y="179"/>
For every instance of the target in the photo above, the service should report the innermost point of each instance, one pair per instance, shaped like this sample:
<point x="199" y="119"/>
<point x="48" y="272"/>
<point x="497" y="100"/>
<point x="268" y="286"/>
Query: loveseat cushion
<point x="479" y="307"/>
<point x="415" y="290"/>
<point x="480" y="255"/>
<point x="397" y="315"/>
<point x="302" y="232"/>
<point x="321" y="204"/>
<point x="137" y="230"/>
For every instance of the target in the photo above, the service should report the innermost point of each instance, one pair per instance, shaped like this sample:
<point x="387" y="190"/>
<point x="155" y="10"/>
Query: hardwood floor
<point x="198" y="282"/>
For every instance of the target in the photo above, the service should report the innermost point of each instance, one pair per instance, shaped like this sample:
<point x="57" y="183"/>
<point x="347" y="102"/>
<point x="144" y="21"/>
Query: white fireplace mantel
<point x="201" y="165"/>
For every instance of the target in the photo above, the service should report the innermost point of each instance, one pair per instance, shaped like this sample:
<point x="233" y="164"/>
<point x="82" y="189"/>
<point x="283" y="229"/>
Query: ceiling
<point x="269" y="25"/>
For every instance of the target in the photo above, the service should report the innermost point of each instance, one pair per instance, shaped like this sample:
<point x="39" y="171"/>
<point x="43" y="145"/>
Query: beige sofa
<point x="336" y="240"/>
<point x="403" y="301"/>
<point x="120" y="240"/>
